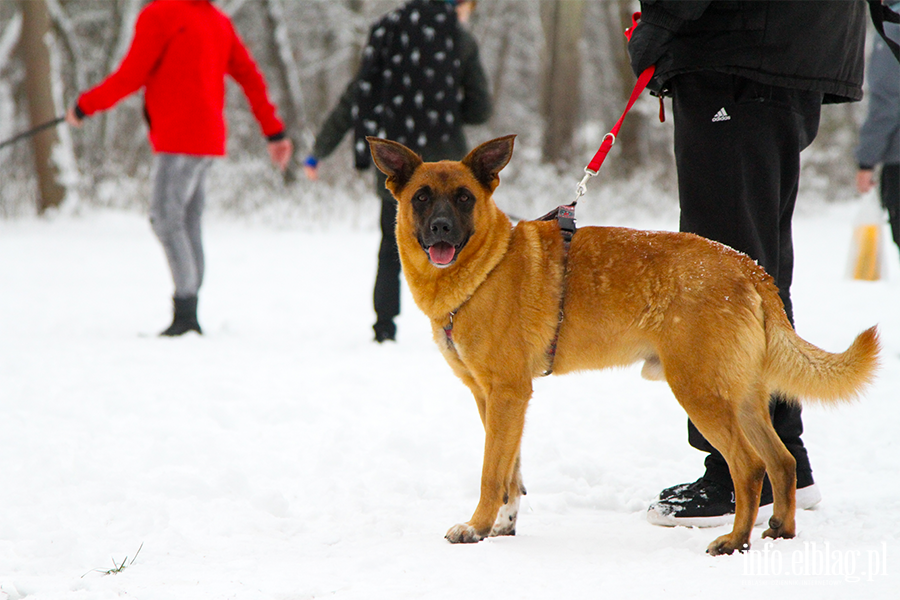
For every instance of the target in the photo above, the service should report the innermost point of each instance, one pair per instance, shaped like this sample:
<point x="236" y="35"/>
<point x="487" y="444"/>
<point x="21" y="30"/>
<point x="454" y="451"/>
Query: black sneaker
<point x="706" y="503"/>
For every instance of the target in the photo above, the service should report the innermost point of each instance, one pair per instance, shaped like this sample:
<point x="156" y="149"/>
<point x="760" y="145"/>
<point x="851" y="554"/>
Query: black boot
<point x="385" y="330"/>
<point x="185" y="317"/>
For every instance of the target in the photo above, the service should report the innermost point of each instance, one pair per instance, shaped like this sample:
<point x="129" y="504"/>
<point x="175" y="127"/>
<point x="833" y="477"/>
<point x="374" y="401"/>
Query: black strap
<point x="565" y="217"/>
<point x="881" y="14"/>
<point x="33" y="131"/>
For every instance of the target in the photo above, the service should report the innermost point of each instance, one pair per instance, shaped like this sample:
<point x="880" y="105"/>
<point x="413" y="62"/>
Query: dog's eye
<point x="463" y="197"/>
<point x="422" y="197"/>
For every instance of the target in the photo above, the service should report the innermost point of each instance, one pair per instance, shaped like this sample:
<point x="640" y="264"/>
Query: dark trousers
<point x="737" y="154"/>
<point x="387" y="281"/>
<point x="890" y="197"/>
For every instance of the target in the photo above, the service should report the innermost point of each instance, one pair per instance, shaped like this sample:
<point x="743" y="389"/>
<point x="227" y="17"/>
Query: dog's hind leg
<point x="780" y="464"/>
<point x="747" y="472"/>
<point x="716" y="418"/>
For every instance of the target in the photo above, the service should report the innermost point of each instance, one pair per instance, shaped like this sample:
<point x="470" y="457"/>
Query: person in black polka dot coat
<point x="419" y="82"/>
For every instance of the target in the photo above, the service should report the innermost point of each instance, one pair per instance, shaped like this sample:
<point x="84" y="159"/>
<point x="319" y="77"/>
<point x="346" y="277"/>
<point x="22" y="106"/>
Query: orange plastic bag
<point x="866" y="251"/>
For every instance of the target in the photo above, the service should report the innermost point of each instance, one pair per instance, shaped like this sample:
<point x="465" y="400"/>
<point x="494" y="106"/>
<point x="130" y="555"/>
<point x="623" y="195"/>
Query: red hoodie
<point x="181" y="52"/>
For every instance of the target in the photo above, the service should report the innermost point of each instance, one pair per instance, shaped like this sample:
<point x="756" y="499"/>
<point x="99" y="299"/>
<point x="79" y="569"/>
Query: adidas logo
<point x="721" y="116"/>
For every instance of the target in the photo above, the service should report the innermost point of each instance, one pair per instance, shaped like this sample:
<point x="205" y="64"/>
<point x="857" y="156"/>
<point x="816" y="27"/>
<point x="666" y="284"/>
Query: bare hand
<point x="312" y="173"/>
<point x="280" y="152"/>
<point x="72" y="119"/>
<point x="864" y="181"/>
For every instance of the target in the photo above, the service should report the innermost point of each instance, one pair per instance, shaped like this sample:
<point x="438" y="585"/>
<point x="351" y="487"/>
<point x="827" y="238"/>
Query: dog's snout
<point x="441" y="225"/>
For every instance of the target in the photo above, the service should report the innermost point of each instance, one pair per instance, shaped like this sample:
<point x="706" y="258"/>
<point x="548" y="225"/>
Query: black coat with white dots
<point x="419" y="82"/>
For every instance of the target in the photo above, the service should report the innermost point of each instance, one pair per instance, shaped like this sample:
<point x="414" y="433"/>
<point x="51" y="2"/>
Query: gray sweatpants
<point x="176" y="206"/>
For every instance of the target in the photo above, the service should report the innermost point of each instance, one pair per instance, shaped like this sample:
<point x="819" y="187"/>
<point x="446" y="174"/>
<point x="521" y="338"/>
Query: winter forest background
<point x="558" y="72"/>
<point x="284" y="455"/>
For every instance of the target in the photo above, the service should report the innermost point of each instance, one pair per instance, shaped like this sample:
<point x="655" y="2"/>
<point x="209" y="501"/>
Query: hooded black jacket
<point x="472" y="103"/>
<point x="420" y="81"/>
<point x="799" y="44"/>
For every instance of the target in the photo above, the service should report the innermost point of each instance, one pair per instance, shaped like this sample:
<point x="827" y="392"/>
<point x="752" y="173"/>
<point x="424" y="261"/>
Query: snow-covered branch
<point x="9" y="38"/>
<point x="68" y="39"/>
<point x="233" y="7"/>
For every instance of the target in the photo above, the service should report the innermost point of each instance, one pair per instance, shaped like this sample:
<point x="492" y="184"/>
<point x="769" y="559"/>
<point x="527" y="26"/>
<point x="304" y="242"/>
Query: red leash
<point x="565" y="215"/>
<point x="610" y="138"/>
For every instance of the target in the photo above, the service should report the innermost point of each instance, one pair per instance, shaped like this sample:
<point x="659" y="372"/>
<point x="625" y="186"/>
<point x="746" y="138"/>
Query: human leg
<point x="890" y="197"/>
<point x="175" y="211"/>
<point x="738" y="176"/>
<point x="193" y="226"/>
<point x="386" y="295"/>
<point x="737" y="152"/>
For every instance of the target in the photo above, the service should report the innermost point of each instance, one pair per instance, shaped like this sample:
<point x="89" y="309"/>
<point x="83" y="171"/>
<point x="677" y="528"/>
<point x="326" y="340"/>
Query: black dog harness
<point x="565" y="217"/>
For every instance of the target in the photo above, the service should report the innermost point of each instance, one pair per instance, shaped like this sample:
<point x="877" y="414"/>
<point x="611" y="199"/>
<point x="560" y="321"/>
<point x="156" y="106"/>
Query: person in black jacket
<point x="420" y="81"/>
<point x="747" y="82"/>
<point x="879" y="136"/>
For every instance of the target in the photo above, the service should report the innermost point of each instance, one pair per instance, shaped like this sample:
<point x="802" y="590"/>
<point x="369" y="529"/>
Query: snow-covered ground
<point x="284" y="455"/>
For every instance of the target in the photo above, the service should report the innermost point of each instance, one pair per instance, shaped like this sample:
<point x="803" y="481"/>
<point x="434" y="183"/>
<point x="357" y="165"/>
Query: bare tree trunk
<point x="38" y="89"/>
<point x="9" y="40"/>
<point x="628" y="143"/>
<point x="64" y="30"/>
<point x="492" y="13"/>
<point x="563" y="23"/>
<point x="502" y="60"/>
<point x="288" y="73"/>
<point x="291" y="104"/>
<point x="233" y="8"/>
<point x="324" y="78"/>
<point x="125" y="18"/>
<point x="325" y="81"/>
<point x="356" y="7"/>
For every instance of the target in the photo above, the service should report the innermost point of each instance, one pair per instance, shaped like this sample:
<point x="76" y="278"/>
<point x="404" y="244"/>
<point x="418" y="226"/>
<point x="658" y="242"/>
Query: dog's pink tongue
<point x="441" y="253"/>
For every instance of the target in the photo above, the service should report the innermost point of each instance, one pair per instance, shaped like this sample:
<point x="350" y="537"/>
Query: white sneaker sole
<point x="807" y="498"/>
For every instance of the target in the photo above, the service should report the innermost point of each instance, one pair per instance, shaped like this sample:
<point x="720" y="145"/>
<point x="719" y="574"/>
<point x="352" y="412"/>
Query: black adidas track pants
<point x="737" y="155"/>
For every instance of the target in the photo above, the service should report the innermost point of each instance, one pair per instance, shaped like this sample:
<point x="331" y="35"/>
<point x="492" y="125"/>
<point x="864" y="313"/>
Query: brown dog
<point x="703" y="317"/>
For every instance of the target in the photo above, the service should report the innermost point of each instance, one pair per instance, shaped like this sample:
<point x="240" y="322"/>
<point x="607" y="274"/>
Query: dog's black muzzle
<point x="443" y="232"/>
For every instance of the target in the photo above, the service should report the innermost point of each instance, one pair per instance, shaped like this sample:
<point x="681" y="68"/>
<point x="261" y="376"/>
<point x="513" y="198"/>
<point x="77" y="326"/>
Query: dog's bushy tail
<point x="798" y="368"/>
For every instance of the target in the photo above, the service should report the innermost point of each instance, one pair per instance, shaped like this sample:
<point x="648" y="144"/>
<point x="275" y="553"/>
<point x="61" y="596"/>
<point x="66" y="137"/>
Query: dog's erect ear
<point x="394" y="160"/>
<point x="488" y="159"/>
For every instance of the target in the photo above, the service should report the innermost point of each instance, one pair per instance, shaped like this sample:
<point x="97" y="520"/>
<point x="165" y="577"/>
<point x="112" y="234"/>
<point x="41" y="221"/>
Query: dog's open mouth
<point x="442" y="254"/>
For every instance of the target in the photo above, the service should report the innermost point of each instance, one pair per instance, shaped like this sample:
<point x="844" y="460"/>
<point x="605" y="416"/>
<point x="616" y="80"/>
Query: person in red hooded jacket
<point x="181" y="52"/>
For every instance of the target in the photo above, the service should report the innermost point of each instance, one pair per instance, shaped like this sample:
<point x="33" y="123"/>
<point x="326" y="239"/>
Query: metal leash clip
<point x="581" y="188"/>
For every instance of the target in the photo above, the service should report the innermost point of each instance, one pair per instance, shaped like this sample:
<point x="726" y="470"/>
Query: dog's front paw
<point x="506" y="519"/>
<point x="463" y="534"/>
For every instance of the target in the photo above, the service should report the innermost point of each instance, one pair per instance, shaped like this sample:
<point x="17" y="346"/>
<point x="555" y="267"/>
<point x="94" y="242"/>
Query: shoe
<point x="382" y="337"/>
<point x="385" y="331"/>
<point x="706" y="503"/>
<point x="185" y="318"/>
